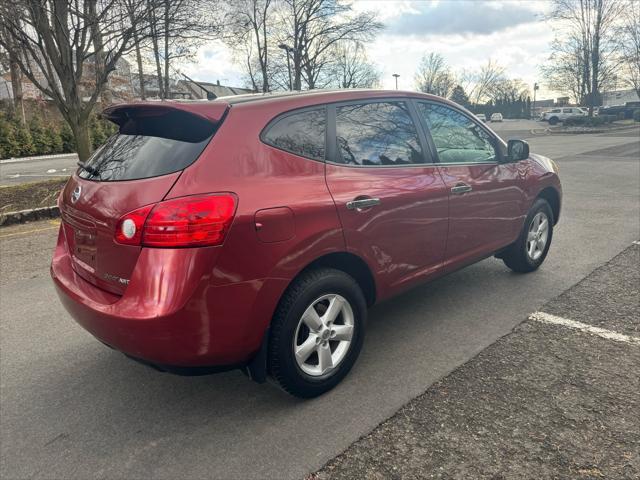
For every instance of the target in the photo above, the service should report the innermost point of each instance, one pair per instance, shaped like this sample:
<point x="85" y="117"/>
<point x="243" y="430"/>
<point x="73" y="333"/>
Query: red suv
<point x="255" y="231"/>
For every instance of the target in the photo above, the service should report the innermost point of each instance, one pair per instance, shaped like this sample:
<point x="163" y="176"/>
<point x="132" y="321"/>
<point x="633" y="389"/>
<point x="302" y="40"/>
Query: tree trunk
<point x="167" y="91"/>
<point x="16" y="87"/>
<point x="140" y="70"/>
<point x="80" y="129"/>
<point x="136" y="41"/>
<point x="156" y="52"/>
<point x="297" y="71"/>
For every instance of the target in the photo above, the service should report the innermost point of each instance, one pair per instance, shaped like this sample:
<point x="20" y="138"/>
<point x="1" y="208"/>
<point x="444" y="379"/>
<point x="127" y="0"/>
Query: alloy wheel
<point x="537" y="236"/>
<point x="323" y="335"/>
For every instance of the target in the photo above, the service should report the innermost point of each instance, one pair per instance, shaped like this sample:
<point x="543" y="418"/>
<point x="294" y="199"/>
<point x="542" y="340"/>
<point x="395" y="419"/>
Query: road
<point x="71" y="408"/>
<point x="24" y="171"/>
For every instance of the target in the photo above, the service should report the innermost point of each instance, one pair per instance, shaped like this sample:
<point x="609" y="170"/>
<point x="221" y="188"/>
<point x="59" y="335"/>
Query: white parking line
<point x="600" y="332"/>
<point x="636" y="242"/>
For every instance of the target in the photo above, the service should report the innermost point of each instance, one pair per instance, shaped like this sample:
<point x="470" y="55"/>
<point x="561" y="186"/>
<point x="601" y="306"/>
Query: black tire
<point x="553" y="121"/>
<point x="515" y="256"/>
<point x="301" y="294"/>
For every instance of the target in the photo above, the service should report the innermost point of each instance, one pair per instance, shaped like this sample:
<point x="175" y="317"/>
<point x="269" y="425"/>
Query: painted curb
<point x="24" y="216"/>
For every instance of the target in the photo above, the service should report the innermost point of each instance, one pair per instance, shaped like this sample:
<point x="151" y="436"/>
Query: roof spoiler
<point x="120" y="113"/>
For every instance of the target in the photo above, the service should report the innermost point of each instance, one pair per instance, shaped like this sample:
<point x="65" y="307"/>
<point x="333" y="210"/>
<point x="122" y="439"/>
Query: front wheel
<point x="317" y="332"/>
<point x="532" y="246"/>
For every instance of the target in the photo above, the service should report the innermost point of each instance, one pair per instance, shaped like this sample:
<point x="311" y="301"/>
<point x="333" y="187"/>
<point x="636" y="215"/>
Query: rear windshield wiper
<point x="88" y="168"/>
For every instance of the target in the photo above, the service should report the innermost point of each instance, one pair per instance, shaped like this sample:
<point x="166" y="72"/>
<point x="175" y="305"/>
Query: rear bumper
<point x="172" y="313"/>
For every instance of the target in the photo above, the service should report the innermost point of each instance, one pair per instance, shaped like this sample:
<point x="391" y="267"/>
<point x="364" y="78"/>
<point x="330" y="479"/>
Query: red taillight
<point x="182" y="222"/>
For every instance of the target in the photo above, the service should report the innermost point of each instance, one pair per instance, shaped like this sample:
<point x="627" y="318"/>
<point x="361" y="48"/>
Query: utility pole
<point x="287" y="48"/>
<point x="396" y="75"/>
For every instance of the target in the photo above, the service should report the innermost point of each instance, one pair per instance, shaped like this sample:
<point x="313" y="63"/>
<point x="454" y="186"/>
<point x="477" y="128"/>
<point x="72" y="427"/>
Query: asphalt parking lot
<point x="71" y="408"/>
<point x="546" y="398"/>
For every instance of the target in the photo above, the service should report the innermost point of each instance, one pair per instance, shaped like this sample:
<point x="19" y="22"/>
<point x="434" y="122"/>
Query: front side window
<point x="377" y="134"/>
<point x="301" y="133"/>
<point x="457" y="138"/>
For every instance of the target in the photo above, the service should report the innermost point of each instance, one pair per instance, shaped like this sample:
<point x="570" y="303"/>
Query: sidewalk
<point x="546" y="401"/>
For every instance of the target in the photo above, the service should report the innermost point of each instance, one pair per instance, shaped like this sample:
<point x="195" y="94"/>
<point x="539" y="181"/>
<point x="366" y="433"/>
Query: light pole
<point x="533" y="107"/>
<point x="396" y="75"/>
<point x="287" y="48"/>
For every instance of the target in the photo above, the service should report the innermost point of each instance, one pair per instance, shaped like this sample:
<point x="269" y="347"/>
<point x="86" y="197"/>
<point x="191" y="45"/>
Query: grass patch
<point x="30" y="195"/>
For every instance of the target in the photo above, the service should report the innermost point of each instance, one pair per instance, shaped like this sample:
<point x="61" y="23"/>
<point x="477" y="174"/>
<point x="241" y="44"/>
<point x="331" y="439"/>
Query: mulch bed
<point x="30" y="195"/>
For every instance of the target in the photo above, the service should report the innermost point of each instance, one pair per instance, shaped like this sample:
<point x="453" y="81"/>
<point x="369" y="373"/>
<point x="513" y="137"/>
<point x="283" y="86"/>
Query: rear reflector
<point x="193" y="221"/>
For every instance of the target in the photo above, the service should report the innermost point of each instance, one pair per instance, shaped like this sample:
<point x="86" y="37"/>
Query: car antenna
<point x="210" y="94"/>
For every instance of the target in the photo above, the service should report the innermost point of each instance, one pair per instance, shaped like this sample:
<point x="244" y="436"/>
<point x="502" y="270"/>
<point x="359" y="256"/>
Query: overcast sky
<point x="466" y="32"/>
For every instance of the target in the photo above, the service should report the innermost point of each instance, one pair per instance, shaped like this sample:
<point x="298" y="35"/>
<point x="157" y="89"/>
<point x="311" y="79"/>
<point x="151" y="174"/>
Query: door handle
<point x="362" y="203"/>
<point x="461" y="188"/>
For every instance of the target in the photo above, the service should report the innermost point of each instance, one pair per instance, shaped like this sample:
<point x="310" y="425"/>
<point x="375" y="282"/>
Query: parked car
<point x="621" y="111"/>
<point x="481" y="116"/>
<point x="255" y="231"/>
<point x="496" y="117"/>
<point x="557" y="115"/>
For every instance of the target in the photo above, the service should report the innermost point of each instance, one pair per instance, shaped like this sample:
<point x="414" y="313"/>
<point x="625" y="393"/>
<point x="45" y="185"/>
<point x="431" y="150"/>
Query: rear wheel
<point x="532" y="246"/>
<point x="317" y="332"/>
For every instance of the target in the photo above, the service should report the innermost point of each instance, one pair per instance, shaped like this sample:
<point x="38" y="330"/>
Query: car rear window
<point x="301" y="133"/>
<point x="149" y="143"/>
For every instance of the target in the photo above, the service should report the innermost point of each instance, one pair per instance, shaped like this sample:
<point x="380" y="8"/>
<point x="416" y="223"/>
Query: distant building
<point x="198" y="91"/>
<point x="619" y="97"/>
<point x="123" y="85"/>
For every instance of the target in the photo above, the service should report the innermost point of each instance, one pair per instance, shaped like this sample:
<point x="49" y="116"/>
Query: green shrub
<point x="42" y="141"/>
<point x="8" y="144"/>
<point x="68" y="140"/>
<point x="54" y="139"/>
<point x="23" y="138"/>
<point x="636" y="115"/>
<point x="588" y="121"/>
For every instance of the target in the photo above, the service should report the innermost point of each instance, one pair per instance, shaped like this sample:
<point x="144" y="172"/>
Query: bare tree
<point x="176" y="29"/>
<point x="56" y="44"/>
<point x="481" y="83"/>
<point x="352" y="68"/>
<point x="250" y="34"/>
<point x="434" y="76"/>
<point x="629" y="44"/>
<point x="310" y="28"/>
<point x="509" y="90"/>
<point x="9" y="58"/>
<point x="567" y="71"/>
<point x="585" y="45"/>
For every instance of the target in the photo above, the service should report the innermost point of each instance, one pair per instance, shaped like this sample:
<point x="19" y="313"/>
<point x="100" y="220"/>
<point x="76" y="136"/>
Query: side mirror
<point x="517" y="150"/>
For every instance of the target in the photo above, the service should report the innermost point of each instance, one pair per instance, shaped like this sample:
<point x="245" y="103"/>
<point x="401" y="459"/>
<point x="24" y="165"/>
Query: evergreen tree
<point x="8" y="145"/>
<point x="40" y="137"/>
<point x="68" y="140"/>
<point x="459" y="96"/>
<point x="23" y="138"/>
<point x="97" y="133"/>
<point x="54" y="139"/>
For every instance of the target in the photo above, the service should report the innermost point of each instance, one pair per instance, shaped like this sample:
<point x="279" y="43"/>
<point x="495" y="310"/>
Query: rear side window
<point x="301" y="133"/>
<point x="377" y="134"/>
<point x="149" y="144"/>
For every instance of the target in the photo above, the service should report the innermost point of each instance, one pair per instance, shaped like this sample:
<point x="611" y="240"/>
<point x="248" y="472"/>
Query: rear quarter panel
<point x="262" y="177"/>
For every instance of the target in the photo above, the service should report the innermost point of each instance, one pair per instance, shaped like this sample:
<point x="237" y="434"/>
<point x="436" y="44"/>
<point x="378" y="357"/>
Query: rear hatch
<point x="136" y="167"/>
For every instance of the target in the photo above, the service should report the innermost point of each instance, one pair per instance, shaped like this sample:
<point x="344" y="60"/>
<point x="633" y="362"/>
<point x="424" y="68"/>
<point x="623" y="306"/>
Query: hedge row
<point x="18" y="140"/>
<point x="589" y="121"/>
